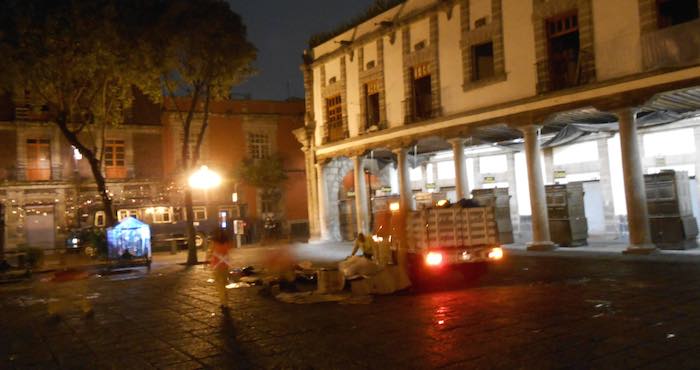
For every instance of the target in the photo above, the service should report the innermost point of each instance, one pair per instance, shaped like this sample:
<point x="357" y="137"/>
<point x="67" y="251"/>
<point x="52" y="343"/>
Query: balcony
<point x="565" y="73"/>
<point x="674" y="46"/>
<point x="115" y="172"/>
<point x="38" y="174"/>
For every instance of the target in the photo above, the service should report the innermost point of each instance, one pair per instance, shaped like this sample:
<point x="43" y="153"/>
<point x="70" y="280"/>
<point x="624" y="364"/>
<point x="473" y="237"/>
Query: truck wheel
<point x="200" y="240"/>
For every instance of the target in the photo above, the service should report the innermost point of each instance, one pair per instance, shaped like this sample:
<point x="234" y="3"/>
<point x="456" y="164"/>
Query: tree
<point x="266" y="174"/>
<point x="82" y="59"/>
<point x="207" y="54"/>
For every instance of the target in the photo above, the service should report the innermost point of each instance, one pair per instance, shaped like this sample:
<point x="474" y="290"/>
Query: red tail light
<point x="433" y="259"/>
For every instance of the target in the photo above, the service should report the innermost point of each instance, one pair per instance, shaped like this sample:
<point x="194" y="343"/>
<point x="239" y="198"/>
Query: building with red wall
<point x="239" y="130"/>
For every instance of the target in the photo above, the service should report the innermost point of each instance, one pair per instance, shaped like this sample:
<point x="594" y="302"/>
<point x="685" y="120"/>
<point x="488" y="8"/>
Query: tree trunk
<point x="95" y="166"/>
<point x="191" y="232"/>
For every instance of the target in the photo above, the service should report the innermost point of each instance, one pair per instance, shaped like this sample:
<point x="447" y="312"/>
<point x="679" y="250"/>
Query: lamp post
<point x="202" y="179"/>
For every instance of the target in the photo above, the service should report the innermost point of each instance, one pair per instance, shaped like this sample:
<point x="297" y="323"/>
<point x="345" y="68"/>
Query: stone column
<point x="548" y="165"/>
<point x="405" y="192"/>
<point x="478" y="180"/>
<point x="635" y="192"/>
<point x="461" y="185"/>
<point x="325" y="233"/>
<point x="405" y="202"/>
<point x="541" y="240"/>
<point x="311" y="188"/>
<point x="513" y="192"/>
<point x="606" y="187"/>
<point x="361" y="206"/>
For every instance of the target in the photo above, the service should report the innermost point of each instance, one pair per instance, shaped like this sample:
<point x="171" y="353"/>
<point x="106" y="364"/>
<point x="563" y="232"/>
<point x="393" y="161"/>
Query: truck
<point x="452" y="237"/>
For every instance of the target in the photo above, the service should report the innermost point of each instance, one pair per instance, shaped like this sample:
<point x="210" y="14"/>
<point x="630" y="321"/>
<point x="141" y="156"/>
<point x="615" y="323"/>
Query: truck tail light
<point x="496" y="254"/>
<point x="433" y="259"/>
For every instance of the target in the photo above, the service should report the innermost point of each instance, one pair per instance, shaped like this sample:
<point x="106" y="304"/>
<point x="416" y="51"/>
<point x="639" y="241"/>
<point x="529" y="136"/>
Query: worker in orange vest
<point x="220" y="264"/>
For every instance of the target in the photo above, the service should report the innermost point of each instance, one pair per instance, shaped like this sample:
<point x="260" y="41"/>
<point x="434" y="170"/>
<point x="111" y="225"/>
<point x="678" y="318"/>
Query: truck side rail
<point x="451" y="227"/>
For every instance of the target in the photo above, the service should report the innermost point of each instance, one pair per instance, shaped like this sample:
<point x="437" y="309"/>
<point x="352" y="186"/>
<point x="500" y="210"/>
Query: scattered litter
<point x="250" y="279"/>
<point x="247" y="271"/>
<point x="599" y="303"/>
<point x="659" y="323"/>
<point x="237" y="285"/>
<point x="441" y="322"/>
<point x="92" y="296"/>
<point x="357" y="266"/>
<point x="210" y="280"/>
<point x="311" y="297"/>
<point x="305" y="265"/>
<point x="525" y="268"/>
<point x="670" y="336"/>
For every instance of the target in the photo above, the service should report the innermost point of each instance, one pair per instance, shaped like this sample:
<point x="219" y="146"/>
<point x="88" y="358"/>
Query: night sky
<point x="280" y="29"/>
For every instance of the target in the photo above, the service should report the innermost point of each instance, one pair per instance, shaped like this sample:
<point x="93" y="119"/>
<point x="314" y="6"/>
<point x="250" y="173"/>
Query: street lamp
<point x="204" y="179"/>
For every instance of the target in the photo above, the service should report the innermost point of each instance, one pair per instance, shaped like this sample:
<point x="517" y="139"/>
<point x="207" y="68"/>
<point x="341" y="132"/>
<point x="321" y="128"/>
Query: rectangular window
<point x="372" y="104"/>
<point x="162" y="215"/>
<point x="482" y="63"/>
<point x="564" y="51"/>
<point x="422" y="92"/>
<point x="38" y="160"/>
<point x="673" y="12"/>
<point x="124" y="213"/>
<point x="200" y="213"/>
<point x="115" y="159"/>
<point x="258" y="145"/>
<point x="100" y="218"/>
<point x="334" y="118"/>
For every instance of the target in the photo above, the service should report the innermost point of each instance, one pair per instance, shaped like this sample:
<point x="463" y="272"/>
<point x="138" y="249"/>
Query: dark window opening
<point x="423" y="97"/>
<point x="482" y="61"/>
<point x="372" y="117"/>
<point x="673" y="12"/>
<point x="564" y="51"/>
<point x="334" y="118"/>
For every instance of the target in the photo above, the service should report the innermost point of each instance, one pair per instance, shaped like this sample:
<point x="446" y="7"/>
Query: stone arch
<point x="335" y="171"/>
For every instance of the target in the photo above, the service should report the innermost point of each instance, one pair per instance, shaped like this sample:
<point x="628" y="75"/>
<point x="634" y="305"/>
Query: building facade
<point x="46" y="187"/>
<point x="240" y="130"/>
<point x="436" y="98"/>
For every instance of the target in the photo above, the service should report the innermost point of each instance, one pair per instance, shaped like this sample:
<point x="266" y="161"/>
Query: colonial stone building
<point x="435" y="98"/>
<point x="44" y="182"/>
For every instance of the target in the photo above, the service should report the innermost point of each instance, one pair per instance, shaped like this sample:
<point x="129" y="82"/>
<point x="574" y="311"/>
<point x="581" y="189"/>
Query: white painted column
<point x="606" y="186"/>
<point x="548" y="154"/>
<point x="635" y="192"/>
<point x="405" y="192"/>
<point x="541" y="239"/>
<point x="478" y="180"/>
<point x="361" y="206"/>
<point x="322" y="203"/>
<point x="513" y="192"/>
<point x="461" y="185"/>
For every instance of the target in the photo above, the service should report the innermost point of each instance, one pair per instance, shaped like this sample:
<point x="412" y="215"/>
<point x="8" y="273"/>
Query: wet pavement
<point x="529" y="312"/>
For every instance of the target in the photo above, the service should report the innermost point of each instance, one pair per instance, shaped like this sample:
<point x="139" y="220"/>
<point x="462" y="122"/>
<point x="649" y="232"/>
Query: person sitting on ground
<point x="365" y="244"/>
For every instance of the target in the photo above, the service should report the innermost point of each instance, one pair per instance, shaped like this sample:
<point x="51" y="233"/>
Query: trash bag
<point x="357" y="266"/>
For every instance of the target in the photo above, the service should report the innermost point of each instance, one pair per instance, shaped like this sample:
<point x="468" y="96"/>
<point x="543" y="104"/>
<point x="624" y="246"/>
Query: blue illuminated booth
<point x="130" y="239"/>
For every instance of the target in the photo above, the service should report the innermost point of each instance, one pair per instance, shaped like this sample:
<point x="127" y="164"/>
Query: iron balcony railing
<point x="565" y="73"/>
<point x="674" y="46"/>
